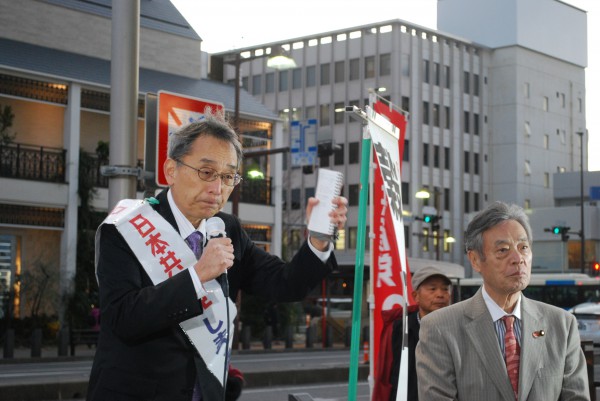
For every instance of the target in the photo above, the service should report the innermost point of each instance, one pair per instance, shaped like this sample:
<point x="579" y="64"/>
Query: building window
<point x="426" y="113"/>
<point x="526" y="90"/>
<point x="466" y="122"/>
<point x="475" y="124"/>
<point x="339" y="72"/>
<point x="338" y="113"/>
<point x="405" y="64"/>
<point x="256" y="84"/>
<point x="324" y="161"/>
<point x="324" y="115"/>
<point x="370" y="67"/>
<point x="295" y="198"/>
<point x="447" y="77"/>
<point x="406" y="151"/>
<point x="385" y="64"/>
<point x="296" y="78"/>
<point x="311" y="78"/>
<point x="527" y="168"/>
<point x="270" y="82"/>
<point x="476" y="163"/>
<point x="436" y="74"/>
<point x="546" y="180"/>
<point x="447" y="199"/>
<point x="436" y="115"/>
<point x="446" y="158"/>
<point x="466" y="200"/>
<point x="353" y="152"/>
<point x="245" y="83"/>
<point x="466" y="82"/>
<point x="467" y="168"/>
<point x="436" y="156"/>
<point x="338" y="155"/>
<point x="475" y="202"/>
<point x="325" y="80"/>
<point x="546" y="141"/>
<point x="545" y="103"/>
<point x="527" y="129"/>
<point x="311" y="112"/>
<point x="426" y="154"/>
<point x="354" y="69"/>
<point x="353" y="193"/>
<point x="405" y="194"/>
<point x="405" y="103"/>
<point x="447" y="117"/>
<point x="426" y="71"/>
<point x="476" y="84"/>
<point x="283" y="80"/>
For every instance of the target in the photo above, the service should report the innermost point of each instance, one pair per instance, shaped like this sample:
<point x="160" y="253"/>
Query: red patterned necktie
<point x="512" y="353"/>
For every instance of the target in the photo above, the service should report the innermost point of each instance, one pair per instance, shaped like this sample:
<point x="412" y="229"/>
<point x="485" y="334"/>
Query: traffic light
<point x="562" y="231"/>
<point x="596" y="268"/>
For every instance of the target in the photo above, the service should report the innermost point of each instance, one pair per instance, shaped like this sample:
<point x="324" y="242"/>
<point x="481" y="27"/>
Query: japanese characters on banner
<point x="163" y="253"/>
<point x="388" y="249"/>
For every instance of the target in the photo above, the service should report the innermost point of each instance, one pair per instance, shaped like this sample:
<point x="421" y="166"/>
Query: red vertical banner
<point x="387" y="271"/>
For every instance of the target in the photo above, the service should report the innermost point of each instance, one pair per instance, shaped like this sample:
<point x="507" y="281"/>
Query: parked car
<point x="588" y="321"/>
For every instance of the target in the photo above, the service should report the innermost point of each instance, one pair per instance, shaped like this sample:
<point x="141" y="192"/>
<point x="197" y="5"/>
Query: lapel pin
<point x="538" y="333"/>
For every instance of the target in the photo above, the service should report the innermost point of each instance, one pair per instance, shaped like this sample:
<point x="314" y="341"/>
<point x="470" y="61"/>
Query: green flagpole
<point x="359" y="265"/>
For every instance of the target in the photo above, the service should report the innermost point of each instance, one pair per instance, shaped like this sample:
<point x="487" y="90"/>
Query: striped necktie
<point x="512" y="353"/>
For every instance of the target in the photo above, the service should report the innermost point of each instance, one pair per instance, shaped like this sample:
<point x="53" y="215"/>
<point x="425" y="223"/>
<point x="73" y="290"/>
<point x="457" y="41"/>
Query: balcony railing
<point x="47" y="164"/>
<point x="256" y="191"/>
<point x="31" y="162"/>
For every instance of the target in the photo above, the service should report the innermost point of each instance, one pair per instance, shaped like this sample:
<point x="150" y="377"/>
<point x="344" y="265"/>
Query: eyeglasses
<point x="209" y="175"/>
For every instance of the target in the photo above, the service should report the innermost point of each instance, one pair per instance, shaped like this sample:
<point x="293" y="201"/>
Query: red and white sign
<point x="175" y="111"/>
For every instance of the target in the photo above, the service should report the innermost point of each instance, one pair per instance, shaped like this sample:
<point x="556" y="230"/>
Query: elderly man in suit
<point x="500" y="345"/>
<point x="149" y="347"/>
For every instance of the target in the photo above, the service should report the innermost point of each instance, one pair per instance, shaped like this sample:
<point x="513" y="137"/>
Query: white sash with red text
<point x="163" y="253"/>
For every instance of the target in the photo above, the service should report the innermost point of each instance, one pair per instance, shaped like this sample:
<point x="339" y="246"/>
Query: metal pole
<point x="359" y="265"/>
<point x="437" y="226"/>
<point x="235" y="196"/>
<point x="124" y="87"/>
<point x="582" y="233"/>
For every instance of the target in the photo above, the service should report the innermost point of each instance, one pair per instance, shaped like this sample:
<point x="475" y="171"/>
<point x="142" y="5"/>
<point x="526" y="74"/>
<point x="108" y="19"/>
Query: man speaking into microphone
<point x="165" y="316"/>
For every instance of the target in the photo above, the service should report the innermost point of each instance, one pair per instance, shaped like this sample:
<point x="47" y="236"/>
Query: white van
<point x="588" y="321"/>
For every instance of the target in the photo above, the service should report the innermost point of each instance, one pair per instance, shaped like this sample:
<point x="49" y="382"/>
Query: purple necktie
<point x="194" y="241"/>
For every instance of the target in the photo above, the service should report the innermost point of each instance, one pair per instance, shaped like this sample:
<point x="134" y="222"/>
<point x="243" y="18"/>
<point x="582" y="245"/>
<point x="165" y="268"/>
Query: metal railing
<point x="31" y="162"/>
<point x="48" y="164"/>
<point x="256" y="191"/>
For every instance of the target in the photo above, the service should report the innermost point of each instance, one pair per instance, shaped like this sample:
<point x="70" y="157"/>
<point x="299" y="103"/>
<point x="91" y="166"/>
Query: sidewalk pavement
<point x="49" y="389"/>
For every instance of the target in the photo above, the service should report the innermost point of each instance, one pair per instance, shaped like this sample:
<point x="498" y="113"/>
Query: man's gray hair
<point x="212" y="124"/>
<point x="491" y="216"/>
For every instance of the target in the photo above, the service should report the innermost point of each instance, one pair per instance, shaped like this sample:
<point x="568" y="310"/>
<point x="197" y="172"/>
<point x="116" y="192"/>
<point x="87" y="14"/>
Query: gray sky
<point x="233" y="24"/>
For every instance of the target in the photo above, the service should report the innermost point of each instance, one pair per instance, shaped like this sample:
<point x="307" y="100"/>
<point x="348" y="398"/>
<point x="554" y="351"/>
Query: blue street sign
<point x="595" y="193"/>
<point x="303" y="142"/>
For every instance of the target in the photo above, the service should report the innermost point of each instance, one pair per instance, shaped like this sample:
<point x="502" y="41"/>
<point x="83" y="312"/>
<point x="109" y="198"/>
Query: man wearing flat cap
<point x="431" y="291"/>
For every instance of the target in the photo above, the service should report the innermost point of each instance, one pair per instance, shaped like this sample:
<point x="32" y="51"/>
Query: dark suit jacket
<point x="142" y="352"/>
<point x="459" y="357"/>
<point x="413" y="339"/>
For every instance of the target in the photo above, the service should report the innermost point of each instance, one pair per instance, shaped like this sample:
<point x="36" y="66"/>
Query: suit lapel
<point x="164" y="209"/>
<point x="531" y="347"/>
<point x="481" y="333"/>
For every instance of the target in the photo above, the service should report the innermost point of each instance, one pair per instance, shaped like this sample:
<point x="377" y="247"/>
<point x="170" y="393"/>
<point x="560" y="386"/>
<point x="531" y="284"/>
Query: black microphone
<point x="215" y="228"/>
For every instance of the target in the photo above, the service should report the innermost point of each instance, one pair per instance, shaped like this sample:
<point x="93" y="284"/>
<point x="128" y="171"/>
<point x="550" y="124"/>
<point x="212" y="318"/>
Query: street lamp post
<point x="279" y="60"/>
<point x="582" y="232"/>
